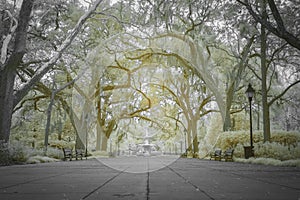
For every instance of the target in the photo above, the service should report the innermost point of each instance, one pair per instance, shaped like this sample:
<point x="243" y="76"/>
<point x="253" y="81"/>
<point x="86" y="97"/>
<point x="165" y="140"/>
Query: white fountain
<point x="146" y="148"/>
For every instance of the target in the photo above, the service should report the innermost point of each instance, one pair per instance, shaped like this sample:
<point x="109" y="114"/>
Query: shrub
<point x="55" y="153"/>
<point x="283" y="145"/>
<point x="18" y="152"/>
<point x="4" y="153"/>
<point x="99" y="154"/>
<point x="40" y="159"/>
<point x="61" y="144"/>
<point x="271" y="161"/>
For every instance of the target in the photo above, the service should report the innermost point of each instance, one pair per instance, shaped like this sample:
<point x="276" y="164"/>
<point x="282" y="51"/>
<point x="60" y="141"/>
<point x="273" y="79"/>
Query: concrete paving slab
<point x="242" y="181"/>
<point x="164" y="184"/>
<point x="138" y="179"/>
<point x="125" y="186"/>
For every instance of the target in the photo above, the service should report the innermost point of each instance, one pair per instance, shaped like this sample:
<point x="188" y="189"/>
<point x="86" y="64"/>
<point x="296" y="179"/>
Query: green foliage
<point x="240" y="121"/>
<point x="4" y="153"/>
<point x="271" y="161"/>
<point x="40" y="159"/>
<point x="59" y="144"/>
<point x="55" y="153"/>
<point x="276" y="150"/>
<point x="74" y="13"/>
<point x="190" y="154"/>
<point x="283" y="145"/>
<point x="99" y="154"/>
<point x="18" y="153"/>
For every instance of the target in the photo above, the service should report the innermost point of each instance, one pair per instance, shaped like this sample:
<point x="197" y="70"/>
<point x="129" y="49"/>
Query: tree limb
<point x="7" y="39"/>
<point x="57" y="55"/>
<point x="281" y="94"/>
<point x="280" y="30"/>
<point x="277" y="17"/>
<point x="20" y="38"/>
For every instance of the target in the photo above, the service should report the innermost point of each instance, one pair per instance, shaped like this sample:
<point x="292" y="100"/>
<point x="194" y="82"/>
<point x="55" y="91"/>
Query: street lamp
<point x="250" y="93"/>
<point x="86" y="135"/>
<point x="185" y="131"/>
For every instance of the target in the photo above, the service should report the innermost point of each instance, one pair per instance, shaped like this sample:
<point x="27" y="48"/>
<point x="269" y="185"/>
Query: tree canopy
<point x="100" y="68"/>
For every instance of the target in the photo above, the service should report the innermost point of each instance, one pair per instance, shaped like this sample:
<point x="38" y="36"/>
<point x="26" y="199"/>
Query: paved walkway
<point x="148" y="178"/>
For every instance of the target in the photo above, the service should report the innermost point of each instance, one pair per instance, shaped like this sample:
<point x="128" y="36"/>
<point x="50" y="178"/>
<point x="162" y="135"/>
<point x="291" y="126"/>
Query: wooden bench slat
<point x="228" y="155"/>
<point x="217" y="155"/>
<point x="79" y="153"/>
<point x="67" y="153"/>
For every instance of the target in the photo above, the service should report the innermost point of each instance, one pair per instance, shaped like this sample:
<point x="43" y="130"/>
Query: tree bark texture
<point x="49" y="111"/>
<point x="264" y="89"/>
<point x="7" y="78"/>
<point x="229" y="97"/>
<point x="104" y="141"/>
<point x="8" y="70"/>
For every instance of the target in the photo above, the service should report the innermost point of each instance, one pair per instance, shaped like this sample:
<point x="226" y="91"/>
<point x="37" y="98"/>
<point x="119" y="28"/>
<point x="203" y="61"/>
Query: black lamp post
<point x="185" y="131"/>
<point x="86" y="135"/>
<point x="250" y="93"/>
<point x="86" y="143"/>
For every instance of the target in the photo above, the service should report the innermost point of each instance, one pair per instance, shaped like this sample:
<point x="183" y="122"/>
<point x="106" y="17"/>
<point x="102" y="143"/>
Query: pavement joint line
<point x="148" y="181"/>
<point x="192" y="184"/>
<point x="255" y="181"/>
<point x="264" y="181"/>
<point x="148" y="186"/>
<point x="30" y="181"/>
<point x="105" y="183"/>
<point x="253" y="178"/>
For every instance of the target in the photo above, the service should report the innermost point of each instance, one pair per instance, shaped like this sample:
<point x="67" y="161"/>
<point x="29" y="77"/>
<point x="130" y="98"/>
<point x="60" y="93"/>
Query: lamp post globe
<point x="250" y="92"/>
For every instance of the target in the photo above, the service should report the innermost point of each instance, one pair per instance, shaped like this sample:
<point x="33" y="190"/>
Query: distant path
<point x="147" y="178"/>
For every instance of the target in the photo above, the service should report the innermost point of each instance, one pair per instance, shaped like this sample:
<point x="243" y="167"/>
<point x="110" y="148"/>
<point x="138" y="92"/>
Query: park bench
<point x="217" y="155"/>
<point x="228" y="155"/>
<point x="79" y="153"/>
<point x="67" y="153"/>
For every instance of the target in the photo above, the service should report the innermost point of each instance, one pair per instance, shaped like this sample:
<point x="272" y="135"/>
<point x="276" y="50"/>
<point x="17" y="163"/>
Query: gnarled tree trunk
<point x="8" y="67"/>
